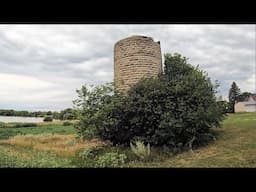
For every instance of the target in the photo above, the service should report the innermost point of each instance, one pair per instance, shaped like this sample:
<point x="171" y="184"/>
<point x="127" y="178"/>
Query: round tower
<point x="135" y="57"/>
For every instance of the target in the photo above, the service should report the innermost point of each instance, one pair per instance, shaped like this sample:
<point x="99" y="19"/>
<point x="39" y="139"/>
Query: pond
<point x="12" y="119"/>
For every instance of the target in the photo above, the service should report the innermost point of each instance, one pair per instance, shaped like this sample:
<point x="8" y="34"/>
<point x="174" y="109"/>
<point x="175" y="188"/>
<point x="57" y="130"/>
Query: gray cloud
<point x="63" y="57"/>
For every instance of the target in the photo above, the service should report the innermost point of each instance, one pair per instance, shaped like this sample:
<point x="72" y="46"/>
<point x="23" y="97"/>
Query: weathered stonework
<point x="135" y="57"/>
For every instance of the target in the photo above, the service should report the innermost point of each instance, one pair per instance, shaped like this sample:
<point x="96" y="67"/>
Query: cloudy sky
<point x="41" y="66"/>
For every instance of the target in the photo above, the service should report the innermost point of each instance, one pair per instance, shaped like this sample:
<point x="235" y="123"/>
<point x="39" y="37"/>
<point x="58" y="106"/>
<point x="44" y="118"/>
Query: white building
<point x="246" y="106"/>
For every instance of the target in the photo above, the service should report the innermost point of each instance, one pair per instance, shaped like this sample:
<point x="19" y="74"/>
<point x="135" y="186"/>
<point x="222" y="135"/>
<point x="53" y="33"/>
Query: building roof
<point x="251" y="100"/>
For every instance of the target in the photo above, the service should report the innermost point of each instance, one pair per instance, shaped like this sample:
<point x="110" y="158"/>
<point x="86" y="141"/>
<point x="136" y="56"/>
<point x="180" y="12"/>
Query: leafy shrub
<point x="67" y="114"/>
<point x="18" y="125"/>
<point x="48" y="119"/>
<point x="91" y="103"/>
<point x="176" y="109"/>
<point x="224" y="106"/>
<point x="101" y="157"/>
<point x="111" y="160"/>
<point x="141" y="150"/>
<point x="67" y="123"/>
<point x="86" y="154"/>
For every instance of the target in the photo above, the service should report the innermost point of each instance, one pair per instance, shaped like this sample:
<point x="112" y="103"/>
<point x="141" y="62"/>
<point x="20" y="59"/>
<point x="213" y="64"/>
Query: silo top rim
<point x="135" y="37"/>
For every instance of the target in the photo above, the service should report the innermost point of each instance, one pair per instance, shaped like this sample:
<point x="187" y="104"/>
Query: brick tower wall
<point x="135" y="57"/>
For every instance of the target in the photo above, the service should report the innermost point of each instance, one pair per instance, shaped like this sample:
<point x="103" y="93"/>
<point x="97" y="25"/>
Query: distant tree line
<point x="66" y="114"/>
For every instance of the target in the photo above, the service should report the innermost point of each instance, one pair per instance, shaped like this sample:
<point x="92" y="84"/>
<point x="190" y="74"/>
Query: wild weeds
<point x="141" y="150"/>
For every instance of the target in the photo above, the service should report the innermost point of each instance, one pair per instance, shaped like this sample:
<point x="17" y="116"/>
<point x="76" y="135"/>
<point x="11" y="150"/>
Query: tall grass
<point x="57" y="146"/>
<point x="63" y="145"/>
<point x="11" y="158"/>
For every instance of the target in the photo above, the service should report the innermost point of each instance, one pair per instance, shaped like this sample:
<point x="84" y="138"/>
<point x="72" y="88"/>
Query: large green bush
<point x="176" y="109"/>
<point x="48" y="119"/>
<point x="67" y="123"/>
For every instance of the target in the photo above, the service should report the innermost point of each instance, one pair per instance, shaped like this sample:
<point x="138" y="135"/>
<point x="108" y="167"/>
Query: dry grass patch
<point x="64" y="145"/>
<point x="14" y="153"/>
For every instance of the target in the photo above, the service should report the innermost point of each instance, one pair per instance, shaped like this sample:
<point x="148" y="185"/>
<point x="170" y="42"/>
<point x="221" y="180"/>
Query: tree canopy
<point x="233" y="96"/>
<point x="176" y="109"/>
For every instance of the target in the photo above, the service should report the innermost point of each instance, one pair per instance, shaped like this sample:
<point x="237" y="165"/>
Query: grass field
<point x="6" y="133"/>
<point x="55" y="145"/>
<point x="234" y="147"/>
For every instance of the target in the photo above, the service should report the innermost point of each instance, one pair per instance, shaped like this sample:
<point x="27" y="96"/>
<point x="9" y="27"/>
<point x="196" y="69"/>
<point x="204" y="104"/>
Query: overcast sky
<point x="41" y="66"/>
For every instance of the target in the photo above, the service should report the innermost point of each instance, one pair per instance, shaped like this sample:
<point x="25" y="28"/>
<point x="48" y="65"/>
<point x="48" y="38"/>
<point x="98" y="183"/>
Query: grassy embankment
<point x="55" y="145"/>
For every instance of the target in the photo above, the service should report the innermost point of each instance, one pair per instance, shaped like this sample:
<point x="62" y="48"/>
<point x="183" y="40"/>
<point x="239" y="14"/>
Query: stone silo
<point x="135" y="57"/>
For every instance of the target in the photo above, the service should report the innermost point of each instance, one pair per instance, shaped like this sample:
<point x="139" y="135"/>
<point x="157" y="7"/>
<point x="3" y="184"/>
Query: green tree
<point x="176" y="109"/>
<point x="224" y="106"/>
<point x="49" y="113"/>
<point x="233" y="95"/>
<point x="91" y="103"/>
<point x="68" y="114"/>
<point x="48" y="119"/>
<point x="176" y="66"/>
<point x="56" y="115"/>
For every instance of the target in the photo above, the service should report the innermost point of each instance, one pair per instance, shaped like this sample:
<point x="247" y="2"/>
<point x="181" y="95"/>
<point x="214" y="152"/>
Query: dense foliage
<point x="177" y="109"/>
<point x="68" y="114"/>
<point x="91" y="103"/>
<point x="11" y="112"/>
<point x="224" y="106"/>
<point x="48" y="119"/>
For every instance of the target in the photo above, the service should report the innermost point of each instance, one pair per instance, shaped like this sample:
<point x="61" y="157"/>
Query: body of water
<point x="12" y="119"/>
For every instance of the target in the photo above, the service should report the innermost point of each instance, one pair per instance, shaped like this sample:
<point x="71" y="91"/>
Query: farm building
<point x="246" y="106"/>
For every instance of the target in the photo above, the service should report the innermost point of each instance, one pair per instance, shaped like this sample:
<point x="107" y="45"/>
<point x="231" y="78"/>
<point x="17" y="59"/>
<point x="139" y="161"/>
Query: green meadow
<point x="55" y="145"/>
